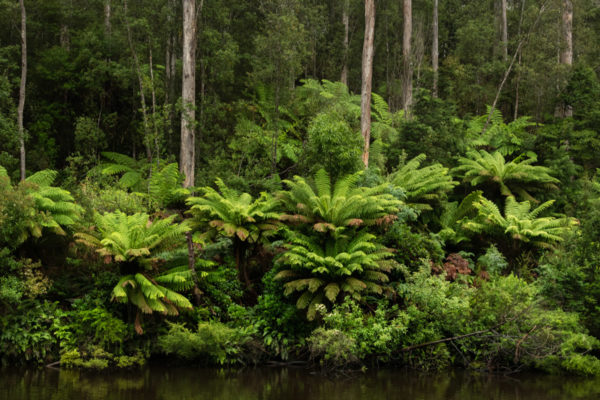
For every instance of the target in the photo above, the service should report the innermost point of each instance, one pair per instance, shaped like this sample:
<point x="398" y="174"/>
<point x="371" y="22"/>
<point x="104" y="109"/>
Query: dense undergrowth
<point x="485" y="257"/>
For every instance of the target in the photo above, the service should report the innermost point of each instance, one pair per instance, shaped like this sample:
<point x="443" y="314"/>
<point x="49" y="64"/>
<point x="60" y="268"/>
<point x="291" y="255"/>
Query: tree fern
<point x="56" y="205"/>
<point x="132" y="242"/>
<point x="324" y="272"/>
<point x="425" y="185"/>
<point x="132" y="172"/>
<point x="164" y="186"/>
<point x="346" y="205"/>
<point x="238" y="216"/>
<point x="520" y="223"/>
<point x="516" y="177"/>
<point x="455" y="215"/>
<point x="505" y="138"/>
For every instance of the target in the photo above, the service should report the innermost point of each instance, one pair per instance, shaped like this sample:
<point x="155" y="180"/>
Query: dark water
<point x="181" y="383"/>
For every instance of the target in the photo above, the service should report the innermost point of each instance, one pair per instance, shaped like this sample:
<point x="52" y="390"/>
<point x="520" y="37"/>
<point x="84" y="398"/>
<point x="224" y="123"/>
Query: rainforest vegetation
<point x="345" y="183"/>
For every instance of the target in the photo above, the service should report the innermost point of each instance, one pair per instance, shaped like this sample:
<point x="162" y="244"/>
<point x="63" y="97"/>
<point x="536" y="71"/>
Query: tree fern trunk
<point x="192" y="267"/>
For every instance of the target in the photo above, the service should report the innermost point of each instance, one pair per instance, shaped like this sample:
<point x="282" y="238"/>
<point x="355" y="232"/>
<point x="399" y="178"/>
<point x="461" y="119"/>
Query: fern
<point x="520" y="223"/>
<point x="516" y="177"/>
<point x="345" y="206"/>
<point x="505" y="138"/>
<point x="423" y="186"/>
<point x="234" y="215"/>
<point x="57" y="206"/>
<point x="133" y="241"/>
<point x="322" y="273"/>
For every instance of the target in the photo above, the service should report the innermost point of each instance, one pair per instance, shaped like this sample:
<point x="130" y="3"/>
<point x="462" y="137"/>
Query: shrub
<point x="213" y="342"/>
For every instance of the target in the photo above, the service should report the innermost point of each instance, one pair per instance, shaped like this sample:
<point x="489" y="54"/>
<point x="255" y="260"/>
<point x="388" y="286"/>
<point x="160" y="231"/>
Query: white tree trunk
<point x="21" y="107"/>
<point x="435" y="49"/>
<point x="188" y="93"/>
<point x="406" y="55"/>
<point x="566" y="55"/>
<point x="346" y="22"/>
<point x="504" y="30"/>
<point x="367" y="78"/>
<point x="107" y="13"/>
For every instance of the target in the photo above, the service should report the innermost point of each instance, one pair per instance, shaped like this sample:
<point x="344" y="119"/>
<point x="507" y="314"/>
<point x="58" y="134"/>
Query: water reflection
<point x="181" y="383"/>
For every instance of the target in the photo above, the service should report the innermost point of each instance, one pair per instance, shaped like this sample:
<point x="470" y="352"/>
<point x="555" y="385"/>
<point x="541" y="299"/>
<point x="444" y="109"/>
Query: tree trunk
<point x="516" y="112"/>
<point x="21" y="107"/>
<point x="406" y="55"/>
<point x="510" y="66"/>
<point x="154" y="110"/>
<point x="346" y="22"/>
<point x="107" y="12"/>
<point x="566" y="53"/>
<point x="188" y="93"/>
<point x="367" y="77"/>
<point x="504" y="30"/>
<point x="435" y="49"/>
<point x="138" y="71"/>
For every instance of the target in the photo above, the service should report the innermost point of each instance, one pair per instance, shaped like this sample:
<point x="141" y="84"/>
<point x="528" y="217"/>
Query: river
<point x="182" y="383"/>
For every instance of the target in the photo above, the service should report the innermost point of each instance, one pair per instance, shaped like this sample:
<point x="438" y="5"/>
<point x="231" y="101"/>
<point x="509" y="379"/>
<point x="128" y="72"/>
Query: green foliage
<point x="493" y="262"/>
<point x="89" y="328"/>
<point x="326" y="272"/>
<point x="130" y="237"/>
<point x="131" y="240"/>
<point x="164" y="186"/>
<point x="350" y="335"/>
<point x="329" y="207"/>
<point x="160" y="184"/>
<point x="412" y="246"/>
<point x="520" y="222"/>
<point x="505" y="138"/>
<point x="281" y="325"/>
<point x="28" y="335"/>
<point x="333" y="145"/>
<point x="34" y="204"/>
<point x="98" y="359"/>
<point x="528" y="333"/>
<point x="455" y="215"/>
<point x="18" y="216"/>
<point x="132" y="170"/>
<point x="516" y="177"/>
<point x="235" y="215"/>
<point x="212" y="342"/>
<point x="56" y="204"/>
<point x="422" y="186"/>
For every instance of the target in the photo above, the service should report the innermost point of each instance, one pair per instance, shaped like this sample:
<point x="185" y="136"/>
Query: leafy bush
<point x="213" y="343"/>
<point x="29" y="334"/>
<point x="350" y="335"/>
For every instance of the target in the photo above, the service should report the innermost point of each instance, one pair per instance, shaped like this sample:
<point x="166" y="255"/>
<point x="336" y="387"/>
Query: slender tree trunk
<point x="504" y="30"/>
<point x="188" y="93"/>
<point x="154" y="122"/>
<point x="138" y="71"/>
<point x="407" y="55"/>
<point x="367" y="78"/>
<point x="21" y="107"/>
<point x="346" y="22"/>
<point x="512" y="63"/>
<point x="107" y="12"/>
<point x="435" y="49"/>
<point x="187" y="157"/>
<point x="566" y="53"/>
<point x="516" y="115"/>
